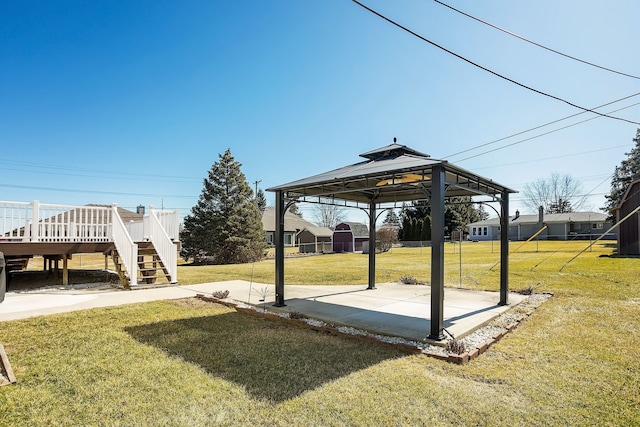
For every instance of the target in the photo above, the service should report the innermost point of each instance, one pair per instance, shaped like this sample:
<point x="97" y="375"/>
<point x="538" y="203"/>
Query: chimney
<point x="540" y="216"/>
<point x="140" y="210"/>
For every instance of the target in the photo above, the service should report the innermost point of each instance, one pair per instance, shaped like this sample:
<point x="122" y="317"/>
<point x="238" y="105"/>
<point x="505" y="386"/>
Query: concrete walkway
<point x="391" y="309"/>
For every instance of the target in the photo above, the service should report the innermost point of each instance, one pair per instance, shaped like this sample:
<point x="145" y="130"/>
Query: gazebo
<point x="390" y="175"/>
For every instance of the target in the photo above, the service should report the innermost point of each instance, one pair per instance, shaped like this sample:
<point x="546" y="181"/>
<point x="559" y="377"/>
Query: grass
<point x="573" y="362"/>
<point x="472" y="270"/>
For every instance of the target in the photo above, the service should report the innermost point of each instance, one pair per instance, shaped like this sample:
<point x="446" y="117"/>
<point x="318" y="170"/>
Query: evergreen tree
<point x="413" y="232"/>
<point x="391" y="218"/>
<point x="425" y="229"/>
<point x="261" y="200"/>
<point x="225" y="226"/>
<point x="561" y="206"/>
<point x="458" y="213"/>
<point x="624" y="175"/>
<point x="482" y="212"/>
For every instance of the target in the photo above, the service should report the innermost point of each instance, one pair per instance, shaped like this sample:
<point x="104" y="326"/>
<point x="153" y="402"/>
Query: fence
<point x="319" y="247"/>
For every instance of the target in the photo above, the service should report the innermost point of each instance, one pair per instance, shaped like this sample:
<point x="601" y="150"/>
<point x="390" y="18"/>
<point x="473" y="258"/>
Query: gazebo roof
<point x="394" y="173"/>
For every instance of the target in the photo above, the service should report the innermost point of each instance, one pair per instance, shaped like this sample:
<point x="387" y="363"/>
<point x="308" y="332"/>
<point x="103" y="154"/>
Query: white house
<point x="564" y="226"/>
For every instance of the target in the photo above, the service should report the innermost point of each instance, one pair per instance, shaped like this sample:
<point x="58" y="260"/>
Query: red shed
<point x="349" y="236"/>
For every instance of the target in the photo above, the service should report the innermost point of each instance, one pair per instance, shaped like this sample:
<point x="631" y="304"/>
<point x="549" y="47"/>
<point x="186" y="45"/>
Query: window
<point x="287" y="239"/>
<point x="269" y="238"/>
<point x="484" y="230"/>
<point x="598" y="226"/>
<point x="473" y="231"/>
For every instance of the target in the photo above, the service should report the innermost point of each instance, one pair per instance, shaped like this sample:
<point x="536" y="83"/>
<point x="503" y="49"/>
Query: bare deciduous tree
<point x="328" y="215"/>
<point x="559" y="193"/>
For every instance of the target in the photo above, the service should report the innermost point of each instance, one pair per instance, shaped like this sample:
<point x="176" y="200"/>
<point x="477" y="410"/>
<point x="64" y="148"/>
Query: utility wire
<point x="616" y="225"/>
<point x="538" y="127"/>
<point x="550" y="158"/>
<point x="487" y="69"/>
<point x="118" y="193"/>
<point x="40" y="166"/>
<point x="542" y="134"/>
<point x="536" y="44"/>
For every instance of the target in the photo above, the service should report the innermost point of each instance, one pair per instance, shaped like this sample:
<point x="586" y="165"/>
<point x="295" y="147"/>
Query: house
<point x="629" y="230"/>
<point x="562" y="226"/>
<point x="297" y="232"/>
<point x="350" y="237"/>
<point x="315" y="239"/>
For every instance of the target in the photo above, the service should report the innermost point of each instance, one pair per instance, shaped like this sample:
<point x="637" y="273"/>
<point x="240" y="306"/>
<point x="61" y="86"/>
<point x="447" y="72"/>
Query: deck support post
<point x="65" y="270"/>
<point x="437" y="253"/>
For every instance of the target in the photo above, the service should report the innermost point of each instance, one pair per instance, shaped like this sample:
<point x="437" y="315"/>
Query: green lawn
<point x="573" y="362"/>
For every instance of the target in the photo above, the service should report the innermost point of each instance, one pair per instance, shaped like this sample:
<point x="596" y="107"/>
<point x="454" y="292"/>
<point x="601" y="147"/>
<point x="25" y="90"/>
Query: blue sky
<point x="130" y="102"/>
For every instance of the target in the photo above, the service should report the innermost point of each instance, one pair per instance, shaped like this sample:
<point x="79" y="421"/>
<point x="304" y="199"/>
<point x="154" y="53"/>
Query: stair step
<point x="147" y="252"/>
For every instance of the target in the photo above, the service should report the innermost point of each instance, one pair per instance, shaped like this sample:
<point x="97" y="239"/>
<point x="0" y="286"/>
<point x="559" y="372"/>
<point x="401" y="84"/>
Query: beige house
<point x="297" y="232"/>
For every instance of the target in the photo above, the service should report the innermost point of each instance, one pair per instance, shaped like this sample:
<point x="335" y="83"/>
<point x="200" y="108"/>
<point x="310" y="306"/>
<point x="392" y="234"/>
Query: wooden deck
<point x="137" y="242"/>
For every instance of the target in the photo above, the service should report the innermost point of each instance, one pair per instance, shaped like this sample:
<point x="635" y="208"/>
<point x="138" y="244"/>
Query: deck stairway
<point x="150" y="267"/>
<point x="16" y="263"/>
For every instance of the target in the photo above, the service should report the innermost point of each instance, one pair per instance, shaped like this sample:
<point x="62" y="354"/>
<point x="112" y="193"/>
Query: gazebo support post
<point x="372" y="245"/>
<point x="504" y="249"/>
<point x="279" y="242"/>
<point x="437" y="253"/>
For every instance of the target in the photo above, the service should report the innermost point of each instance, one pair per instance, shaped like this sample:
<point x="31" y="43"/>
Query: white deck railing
<point x="44" y="222"/>
<point x="165" y="248"/>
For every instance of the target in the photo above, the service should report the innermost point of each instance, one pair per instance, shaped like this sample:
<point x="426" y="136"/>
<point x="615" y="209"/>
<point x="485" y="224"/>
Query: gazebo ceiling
<point x="394" y="173"/>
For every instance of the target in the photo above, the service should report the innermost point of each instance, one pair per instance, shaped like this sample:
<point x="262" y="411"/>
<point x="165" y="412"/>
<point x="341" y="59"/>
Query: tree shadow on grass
<point x="271" y="360"/>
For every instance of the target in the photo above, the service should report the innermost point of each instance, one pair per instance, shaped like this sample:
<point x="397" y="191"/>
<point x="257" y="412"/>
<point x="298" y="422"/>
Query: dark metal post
<point x="279" y="241"/>
<point x="372" y="245"/>
<point x="504" y="249"/>
<point x="437" y="253"/>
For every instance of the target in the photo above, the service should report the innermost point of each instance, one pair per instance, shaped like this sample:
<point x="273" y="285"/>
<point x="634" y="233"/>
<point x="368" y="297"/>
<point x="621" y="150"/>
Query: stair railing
<point x="164" y="246"/>
<point x="170" y="221"/>
<point x="127" y="249"/>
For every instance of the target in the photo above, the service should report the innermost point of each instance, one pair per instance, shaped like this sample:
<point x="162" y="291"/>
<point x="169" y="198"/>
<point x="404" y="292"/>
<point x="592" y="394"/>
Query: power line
<point x="93" y="171"/>
<point x="117" y="193"/>
<point x="413" y="33"/>
<point x="541" y="134"/>
<point x="137" y="177"/>
<point x="551" y="158"/>
<point x="540" y="126"/>
<point x="536" y="44"/>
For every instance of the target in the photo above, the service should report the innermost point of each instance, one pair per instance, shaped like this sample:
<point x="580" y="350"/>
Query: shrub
<point x="409" y="280"/>
<point x="220" y="294"/>
<point x="456" y="347"/>
<point x="297" y="315"/>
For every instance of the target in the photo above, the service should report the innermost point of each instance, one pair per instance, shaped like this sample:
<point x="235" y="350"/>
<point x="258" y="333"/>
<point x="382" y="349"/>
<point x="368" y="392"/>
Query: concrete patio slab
<point x="390" y="309"/>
